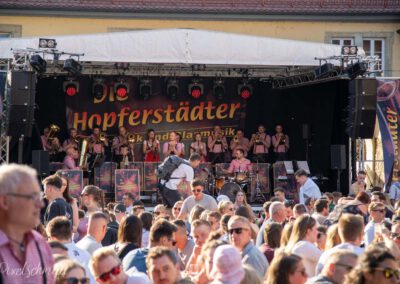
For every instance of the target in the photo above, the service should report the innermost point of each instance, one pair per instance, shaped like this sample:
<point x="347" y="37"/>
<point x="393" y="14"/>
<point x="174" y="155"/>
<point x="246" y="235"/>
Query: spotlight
<point x="219" y="89"/>
<point x="98" y="88"/>
<point x="172" y="89"/>
<point x="357" y="69"/>
<point x="38" y="63"/>
<point x="349" y="50"/>
<point x="121" y="89"/>
<point x="71" y="88"/>
<point x="47" y="43"/>
<point x="245" y="91"/>
<point x="196" y="89"/>
<point x="72" y="66"/>
<point x="145" y="89"/>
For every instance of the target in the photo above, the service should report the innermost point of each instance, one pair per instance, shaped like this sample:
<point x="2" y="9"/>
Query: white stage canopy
<point x="183" y="46"/>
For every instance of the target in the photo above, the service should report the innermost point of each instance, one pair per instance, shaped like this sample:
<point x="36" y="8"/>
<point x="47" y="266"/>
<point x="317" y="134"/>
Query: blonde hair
<point x="286" y="232"/>
<point x="250" y="275"/>
<point x="63" y="267"/>
<point x="332" y="237"/>
<point x="99" y="255"/>
<point x="223" y="205"/>
<point x="299" y="232"/>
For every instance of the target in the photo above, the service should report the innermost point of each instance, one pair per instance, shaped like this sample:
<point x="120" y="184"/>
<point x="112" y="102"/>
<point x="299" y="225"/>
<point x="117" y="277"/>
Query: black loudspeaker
<point x="41" y="162"/>
<point x="362" y="108"/>
<point x="21" y="99"/>
<point x="306" y="131"/>
<point x="338" y="157"/>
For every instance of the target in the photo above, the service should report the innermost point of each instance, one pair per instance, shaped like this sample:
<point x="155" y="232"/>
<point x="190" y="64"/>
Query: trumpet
<point x="257" y="137"/>
<point x="236" y="139"/>
<point x="131" y="138"/>
<point x="102" y="137"/>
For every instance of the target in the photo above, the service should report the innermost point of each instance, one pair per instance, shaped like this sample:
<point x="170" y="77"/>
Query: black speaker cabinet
<point x="306" y="131"/>
<point x="338" y="157"/>
<point x="362" y="108"/>
<point x="21" y="97"/>
<point x="41" y="162"/>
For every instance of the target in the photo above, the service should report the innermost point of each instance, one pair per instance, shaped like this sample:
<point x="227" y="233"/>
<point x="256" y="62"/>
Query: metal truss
<point x="4" y="139"/>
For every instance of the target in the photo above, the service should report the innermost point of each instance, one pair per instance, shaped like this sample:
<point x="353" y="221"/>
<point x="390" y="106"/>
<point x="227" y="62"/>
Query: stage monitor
<point x="303" y="165"/>
<point x="289" y="167"/>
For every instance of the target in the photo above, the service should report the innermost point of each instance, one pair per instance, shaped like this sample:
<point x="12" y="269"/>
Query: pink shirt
<point x="178" y="148"/>
<point x="69" y="163"/>
<point x="67" y="143"/>
<point x="242" y="143"/>
<point x="217" y="147"/>
<point x="13" y="270"/>
<point x="259" y="148"/>
<point x="280" y="148"/>
<point x="240" y="166"/>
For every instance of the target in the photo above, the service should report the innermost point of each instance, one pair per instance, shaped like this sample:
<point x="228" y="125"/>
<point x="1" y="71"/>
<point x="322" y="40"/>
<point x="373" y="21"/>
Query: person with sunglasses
<point x="376" y="212"/>
<point x="375" y="266"/>
<point x="339" y="264"/>
<point x="176" y="209"/>
<point x="395" y="233"/>
<point x="197" y="198"/>
<point x="107" y="269"/>
<point x="240" y="237"/>
<point x="22" y="248"/>
<point x="69" y="272"/>
<point x="287" y="269"/>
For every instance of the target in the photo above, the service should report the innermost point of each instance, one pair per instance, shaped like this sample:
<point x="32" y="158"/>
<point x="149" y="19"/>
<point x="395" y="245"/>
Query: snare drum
<point x="241" y="177"/>
<point x="219" y="182"/>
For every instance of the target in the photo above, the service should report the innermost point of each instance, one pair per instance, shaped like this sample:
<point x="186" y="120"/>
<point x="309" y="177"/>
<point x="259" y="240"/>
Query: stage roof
<point x="182" y="47"/>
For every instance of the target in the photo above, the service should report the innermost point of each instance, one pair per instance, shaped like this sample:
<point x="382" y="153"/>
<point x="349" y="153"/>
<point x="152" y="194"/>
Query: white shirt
<point x="129" y="210"/>
<point x="369" y="232"/>
<point x="310" y="255"/>
<point x="344" y="246"/>
<point x="89" y="244"/>
<point x="310" y="189"/>
<point x="183" y="171"/>
<point x="82" y="257"/>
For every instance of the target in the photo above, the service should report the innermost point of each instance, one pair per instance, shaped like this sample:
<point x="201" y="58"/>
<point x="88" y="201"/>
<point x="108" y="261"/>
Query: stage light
<point x="121" y="89"/>
<point x="72" y="66"/>
<point x="172" y="89"/>
<point x="98" y="88"/>
<point x="196" y="89"/>
<point x="245" y="91"/>
<point x="38" y="63"/>
<point x="357" y="69"/>
<point x="71" y="88"/>
<point x="47" y="43"/>
<point x="219" y="89"/>
<point x="349" y="50"/>
<point x="145" y="89"/>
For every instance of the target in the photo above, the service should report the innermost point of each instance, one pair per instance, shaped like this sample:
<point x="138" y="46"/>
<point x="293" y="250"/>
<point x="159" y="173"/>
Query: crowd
<point x="59" y="239"/>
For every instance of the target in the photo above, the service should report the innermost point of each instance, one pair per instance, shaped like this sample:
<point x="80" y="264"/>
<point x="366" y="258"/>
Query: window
<point x="375" y="47"/>
<point x="342" y="41"/>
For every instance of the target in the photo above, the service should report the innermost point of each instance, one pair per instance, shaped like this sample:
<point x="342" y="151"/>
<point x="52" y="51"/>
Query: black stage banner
<point x="185" y="115"/>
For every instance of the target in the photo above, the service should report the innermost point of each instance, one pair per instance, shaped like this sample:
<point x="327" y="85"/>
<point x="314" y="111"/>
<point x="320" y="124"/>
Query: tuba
<point x="53" y="130"/>
<point x="131" y="138"/>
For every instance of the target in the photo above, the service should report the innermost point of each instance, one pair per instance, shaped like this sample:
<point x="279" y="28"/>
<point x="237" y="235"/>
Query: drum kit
<point x="230" y="183"/>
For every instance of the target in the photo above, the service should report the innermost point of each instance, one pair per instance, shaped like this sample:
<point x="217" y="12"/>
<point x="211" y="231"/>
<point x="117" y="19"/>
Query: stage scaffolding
<point x="4" y="139"/>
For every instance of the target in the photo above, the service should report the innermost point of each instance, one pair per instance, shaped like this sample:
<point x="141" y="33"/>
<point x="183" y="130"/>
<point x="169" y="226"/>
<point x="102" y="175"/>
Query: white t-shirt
<point x="344" y="246"/>
<point x="82" y="257"/>
<point x="309" y="189"/>
<point x="183" y="171"/>
<point x="310" y="255"/>
<point x="207" y="201"/>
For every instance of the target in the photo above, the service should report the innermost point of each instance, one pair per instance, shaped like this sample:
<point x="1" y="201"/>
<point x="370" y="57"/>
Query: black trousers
<point x="169" y="196"/>
<point x="261" y="158"/>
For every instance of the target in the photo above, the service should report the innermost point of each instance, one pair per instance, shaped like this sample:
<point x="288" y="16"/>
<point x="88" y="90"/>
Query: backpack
<point x="165" y="170"/>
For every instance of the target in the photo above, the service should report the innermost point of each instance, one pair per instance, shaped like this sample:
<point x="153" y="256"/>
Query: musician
<point x="151" y="147"/>
<point x="180" y="145"/>
<point x="72" y="141"/>
<point x="51" y="144"/>
<point x="126" y="156"/>
<point x="97" y="146"/>
<point x="260" y="142"/>
<point x="217" y="145"/>
<point x="199" y="147"/>
<point x="239" y="141"/>
<point x="69" y="160"/>
<point x="280" y="142"/>
<point x="120" y="140"/>
<point x="172" y="147"/>
<point x="240" y="164"/>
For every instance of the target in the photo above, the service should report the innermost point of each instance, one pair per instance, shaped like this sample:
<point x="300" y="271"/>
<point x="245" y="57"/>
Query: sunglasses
<point x="380" y="210"/>
<point x="173" y="241"/>
<point x="177" y="208"/>
<point x="388" y="272"/>
<point x="237" y="231"/>
<point x="196" y="190"/>
<point x="74" y="280"/>
<point x="106" y="276"/>
<point x="230" y="209"/>
<point x="156" y="213"/>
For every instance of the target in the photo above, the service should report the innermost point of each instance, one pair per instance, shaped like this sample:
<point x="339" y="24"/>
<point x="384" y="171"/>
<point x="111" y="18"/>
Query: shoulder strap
<point x="41" y="263"/>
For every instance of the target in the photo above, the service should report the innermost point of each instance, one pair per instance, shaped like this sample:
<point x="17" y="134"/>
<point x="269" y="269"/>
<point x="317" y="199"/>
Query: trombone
<point x="131" y="138"/>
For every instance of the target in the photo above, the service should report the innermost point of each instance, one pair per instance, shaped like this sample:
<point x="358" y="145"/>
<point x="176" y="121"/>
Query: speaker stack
<point x="362" y="108"/>
<point x="21" y="102"/>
